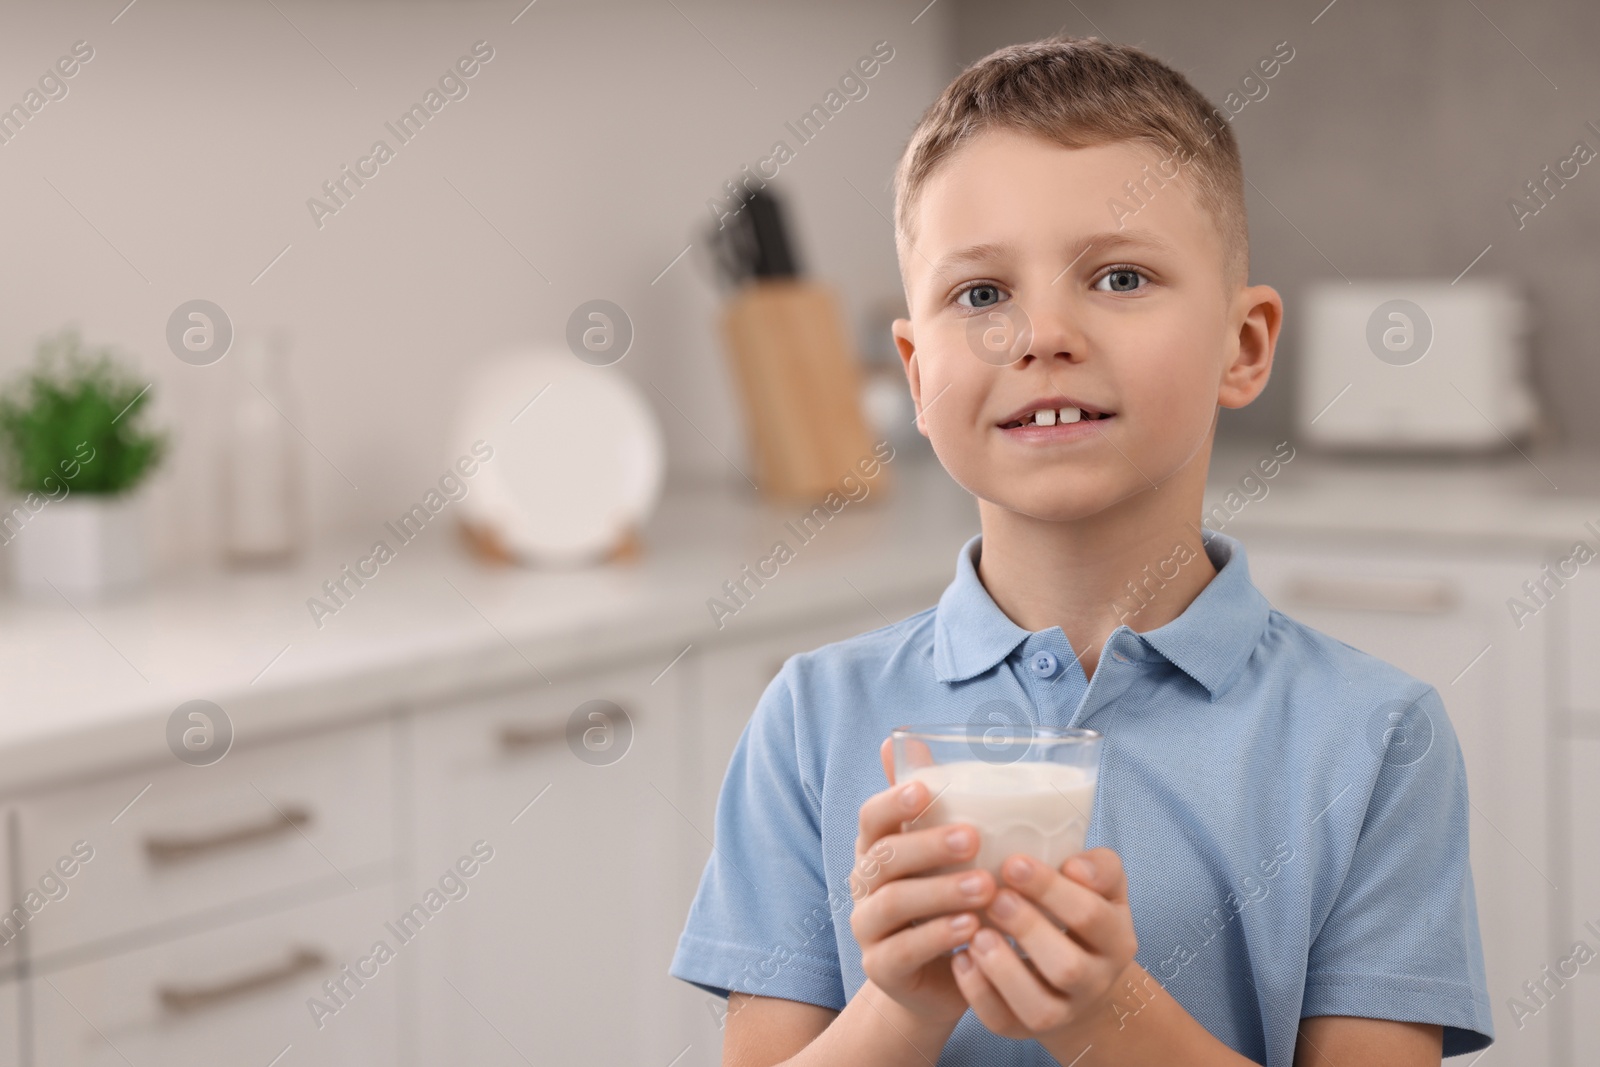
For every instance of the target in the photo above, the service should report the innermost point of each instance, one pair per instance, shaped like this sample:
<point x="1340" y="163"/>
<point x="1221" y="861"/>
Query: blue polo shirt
<point x="1291" y="813"/>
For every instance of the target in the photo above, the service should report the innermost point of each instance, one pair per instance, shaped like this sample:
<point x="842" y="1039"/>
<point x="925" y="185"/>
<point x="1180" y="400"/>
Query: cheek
<point x="952" y="383"/>
<point x="1167" y="377"/>
<point x="949" y="408"/>
<point x="955" y="387"/>
<point x="1176" y="361"/>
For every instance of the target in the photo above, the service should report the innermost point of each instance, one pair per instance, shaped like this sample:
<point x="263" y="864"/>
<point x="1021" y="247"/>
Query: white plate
<point x="578" y="455"/>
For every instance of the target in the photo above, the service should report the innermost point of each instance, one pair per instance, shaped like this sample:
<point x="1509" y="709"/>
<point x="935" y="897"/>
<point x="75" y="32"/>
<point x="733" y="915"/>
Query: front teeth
<point x="1049" y="417"/>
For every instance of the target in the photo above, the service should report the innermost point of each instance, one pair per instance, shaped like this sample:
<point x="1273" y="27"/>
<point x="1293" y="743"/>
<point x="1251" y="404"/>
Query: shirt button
<point x="1043" y="664"/>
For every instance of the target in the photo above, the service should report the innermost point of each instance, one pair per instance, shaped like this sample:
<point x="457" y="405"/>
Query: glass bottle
<point x="263" y="499"/>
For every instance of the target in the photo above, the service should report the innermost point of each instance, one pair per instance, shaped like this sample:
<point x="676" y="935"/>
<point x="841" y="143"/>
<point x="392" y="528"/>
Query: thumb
<point x="886" y="754"/>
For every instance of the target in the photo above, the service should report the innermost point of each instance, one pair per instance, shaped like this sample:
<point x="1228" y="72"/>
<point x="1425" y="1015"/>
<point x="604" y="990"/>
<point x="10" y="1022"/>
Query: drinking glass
<point x="1024" y="788"/>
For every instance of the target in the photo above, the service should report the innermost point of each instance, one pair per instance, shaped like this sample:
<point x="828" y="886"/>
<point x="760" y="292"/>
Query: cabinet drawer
<point x="236" y="995"/>
<point x="164" y="845"/>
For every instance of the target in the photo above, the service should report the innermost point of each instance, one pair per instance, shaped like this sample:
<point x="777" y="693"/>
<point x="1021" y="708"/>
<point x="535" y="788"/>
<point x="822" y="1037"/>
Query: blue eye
<point x="1122" y="279"/>
<point x="986" y="295"/>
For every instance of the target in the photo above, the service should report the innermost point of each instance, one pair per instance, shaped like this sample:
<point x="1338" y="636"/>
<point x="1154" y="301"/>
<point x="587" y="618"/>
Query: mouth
<point x="1053" y="418"/>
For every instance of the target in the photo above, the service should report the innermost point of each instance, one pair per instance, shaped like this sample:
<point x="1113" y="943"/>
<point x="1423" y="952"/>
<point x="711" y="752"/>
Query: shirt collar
<point x="1210" y="642"/>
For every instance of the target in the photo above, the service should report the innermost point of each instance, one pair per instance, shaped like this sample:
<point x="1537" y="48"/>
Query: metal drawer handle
<point x="183" y="999"/>
<point x="517" y="735"/>
<point x="176" y="849"/>
<point x="1420" y="595"/>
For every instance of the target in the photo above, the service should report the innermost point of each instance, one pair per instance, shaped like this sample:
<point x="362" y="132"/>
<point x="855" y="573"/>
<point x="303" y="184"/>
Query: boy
<point x="1275" y="877"/>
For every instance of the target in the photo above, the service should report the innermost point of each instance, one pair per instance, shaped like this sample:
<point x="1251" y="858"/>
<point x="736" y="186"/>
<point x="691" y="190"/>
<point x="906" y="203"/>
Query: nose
<point x="1048" y="332"/>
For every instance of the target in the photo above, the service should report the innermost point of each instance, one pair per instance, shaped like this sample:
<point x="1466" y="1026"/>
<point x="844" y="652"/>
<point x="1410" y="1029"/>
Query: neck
<point x="1076" y="574"/>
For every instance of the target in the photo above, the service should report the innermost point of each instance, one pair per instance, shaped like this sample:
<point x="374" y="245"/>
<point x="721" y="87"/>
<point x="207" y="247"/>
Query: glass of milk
<point x="1024" y="788"/>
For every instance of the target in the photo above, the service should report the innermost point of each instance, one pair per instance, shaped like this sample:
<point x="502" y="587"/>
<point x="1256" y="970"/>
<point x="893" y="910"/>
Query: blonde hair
<point x="1080" y="92"/>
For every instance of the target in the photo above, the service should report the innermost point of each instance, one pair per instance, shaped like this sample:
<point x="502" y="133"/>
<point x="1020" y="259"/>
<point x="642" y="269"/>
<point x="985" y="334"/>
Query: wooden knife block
<point x="800" y="386"/>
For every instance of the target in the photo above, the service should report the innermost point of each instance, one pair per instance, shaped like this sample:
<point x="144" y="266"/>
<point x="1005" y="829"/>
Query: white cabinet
<point x="183" y="915"/>
<point x="1443" y="618"/>
<point x="1577" y="1011"/>
<point x="559" y="953"/>
<point x="1581" y="599"/>
<point x="235" y="995"/>
<point x="13" y="924"/>
<point x="171" y="845"/>
<point x="11" y="1006"/>
<point x="10" y="1024"/>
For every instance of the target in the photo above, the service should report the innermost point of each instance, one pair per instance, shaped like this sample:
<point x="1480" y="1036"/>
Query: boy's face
<point x="1146" y="332"/>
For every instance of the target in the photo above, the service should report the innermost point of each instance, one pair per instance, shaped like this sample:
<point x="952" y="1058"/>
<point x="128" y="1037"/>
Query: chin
<point x="1051" y="510"/>
<point x="1054" y="495"/>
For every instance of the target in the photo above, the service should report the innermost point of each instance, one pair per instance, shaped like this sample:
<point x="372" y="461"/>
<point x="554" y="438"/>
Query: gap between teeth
<point x="1050" y="416"/>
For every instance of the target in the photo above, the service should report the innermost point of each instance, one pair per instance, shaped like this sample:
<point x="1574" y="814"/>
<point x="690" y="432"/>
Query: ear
<point x="886" y="754"/>
<point x="1259" y="312"/>
<point x="901" y="329"/>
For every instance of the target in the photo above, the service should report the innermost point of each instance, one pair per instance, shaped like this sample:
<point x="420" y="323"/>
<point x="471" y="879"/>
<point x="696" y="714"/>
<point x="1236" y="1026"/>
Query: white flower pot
<point x="83" y="544"/>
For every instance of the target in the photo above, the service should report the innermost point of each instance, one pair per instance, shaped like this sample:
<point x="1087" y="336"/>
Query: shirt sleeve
<point x="762" y="919"/>
<point x="1401" y="940"/>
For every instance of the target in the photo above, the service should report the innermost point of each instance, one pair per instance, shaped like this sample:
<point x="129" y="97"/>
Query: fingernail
<point x="962" y="922"/>
<point x="908" y="796"/>
<point x="1018" y="868"/>
<point x="959" y="839"/>
<point x="1005" y="904"/>
<point x="986" y="941"/>
<point x="1082" y="868"/>
<point x="971" y="885"/>
<point x="962" y="963"/>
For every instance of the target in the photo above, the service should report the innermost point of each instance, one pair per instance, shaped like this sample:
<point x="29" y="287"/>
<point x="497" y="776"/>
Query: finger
<point x="899" y="902"/>
<point x="1035" y="1006"/>
<point x="916" y="803"/>
<point x="1101" y="870"/>
<point x="890" y="810"/>
<point x="899" y="855"/>
<point x="1063" y="963"/>
<point x="897" y="958"/>
<point x="883" y="812"/>
<point x="1087" y="916"/>
<point x="986" y="1002"/>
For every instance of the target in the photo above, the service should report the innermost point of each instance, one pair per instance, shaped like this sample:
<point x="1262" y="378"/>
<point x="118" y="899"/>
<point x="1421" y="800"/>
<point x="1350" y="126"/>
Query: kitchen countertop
<point x="93" y="684"/>
<point x="1509" y="499"/>
<point x="90" y="685"/>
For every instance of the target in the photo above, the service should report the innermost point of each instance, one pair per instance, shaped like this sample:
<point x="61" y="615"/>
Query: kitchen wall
<point x="1389" y="147"/>
<point x="180" y="162"/>
<point x="578" y="165"/>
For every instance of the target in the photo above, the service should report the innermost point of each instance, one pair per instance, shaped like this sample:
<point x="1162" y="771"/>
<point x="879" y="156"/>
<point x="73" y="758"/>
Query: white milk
<point x="1038" y="808"/>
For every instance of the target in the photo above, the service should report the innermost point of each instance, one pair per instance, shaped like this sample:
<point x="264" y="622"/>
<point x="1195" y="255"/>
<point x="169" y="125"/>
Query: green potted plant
<point x="73" y="452"/>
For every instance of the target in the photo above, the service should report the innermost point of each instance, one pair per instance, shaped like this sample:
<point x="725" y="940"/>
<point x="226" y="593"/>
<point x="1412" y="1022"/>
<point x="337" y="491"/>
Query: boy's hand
<point x="905" y="960"/>
<point x="1067" y="976"/>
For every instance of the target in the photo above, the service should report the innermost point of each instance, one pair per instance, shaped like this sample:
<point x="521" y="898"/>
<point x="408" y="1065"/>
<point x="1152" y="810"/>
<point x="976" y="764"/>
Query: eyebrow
<point x="1105" y="240"/>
